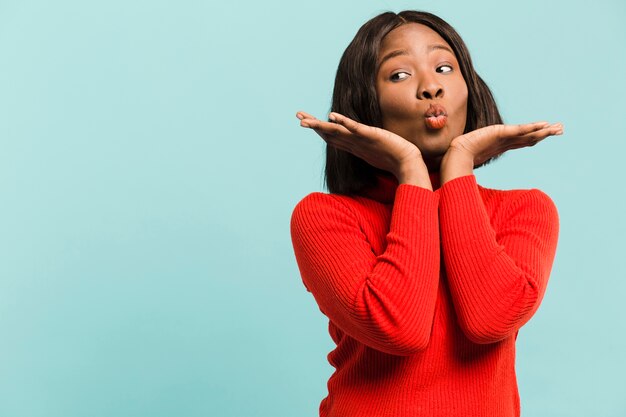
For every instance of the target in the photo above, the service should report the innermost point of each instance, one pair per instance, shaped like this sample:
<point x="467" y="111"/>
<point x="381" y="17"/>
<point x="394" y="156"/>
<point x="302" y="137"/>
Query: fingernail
<point x="332" y="117"/>
<point x="299" y="116"/>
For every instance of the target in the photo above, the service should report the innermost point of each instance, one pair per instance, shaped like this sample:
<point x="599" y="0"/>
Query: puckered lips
<point x="436" y="116"/>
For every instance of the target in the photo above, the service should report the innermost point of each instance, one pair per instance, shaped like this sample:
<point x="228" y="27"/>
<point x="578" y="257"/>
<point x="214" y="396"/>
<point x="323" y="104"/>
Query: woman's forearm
<point x="497" y="264"/>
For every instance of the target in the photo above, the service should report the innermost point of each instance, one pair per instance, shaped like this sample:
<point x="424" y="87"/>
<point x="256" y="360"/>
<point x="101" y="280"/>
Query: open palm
<point x="378" y="147"/>
<point x="487" y="142"/>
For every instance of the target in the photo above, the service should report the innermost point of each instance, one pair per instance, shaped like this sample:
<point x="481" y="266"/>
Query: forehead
<point x="409" y="36"/>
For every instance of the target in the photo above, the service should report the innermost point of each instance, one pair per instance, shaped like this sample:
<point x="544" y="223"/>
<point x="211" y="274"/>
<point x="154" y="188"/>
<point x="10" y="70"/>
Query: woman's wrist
<point x="414" y="173"/>
<point x="456" y="163"/>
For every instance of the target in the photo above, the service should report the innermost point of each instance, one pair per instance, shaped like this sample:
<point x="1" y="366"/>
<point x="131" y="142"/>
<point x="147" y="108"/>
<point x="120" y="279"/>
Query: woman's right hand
<point x="378" y="147"/>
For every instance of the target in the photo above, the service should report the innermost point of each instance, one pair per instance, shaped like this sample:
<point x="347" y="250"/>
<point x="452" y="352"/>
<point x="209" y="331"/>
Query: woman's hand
<point x="474" y="148"/>
<point x="490" y="141"/>
<point x="378" y="147"/>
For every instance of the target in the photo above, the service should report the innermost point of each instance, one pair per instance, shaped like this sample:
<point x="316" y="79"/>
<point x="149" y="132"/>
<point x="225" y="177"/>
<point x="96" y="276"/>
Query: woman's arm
<point x="386" y="302"/>
<point x="497" y="272"/>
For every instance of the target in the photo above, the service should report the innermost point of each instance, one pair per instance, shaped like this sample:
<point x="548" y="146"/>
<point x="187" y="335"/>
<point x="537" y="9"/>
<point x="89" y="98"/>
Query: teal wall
<point x="150" y="159"/>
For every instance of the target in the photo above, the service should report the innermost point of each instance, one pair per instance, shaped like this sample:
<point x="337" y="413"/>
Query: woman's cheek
<point x="461" y="112"/>
<point x="394" y="102"/>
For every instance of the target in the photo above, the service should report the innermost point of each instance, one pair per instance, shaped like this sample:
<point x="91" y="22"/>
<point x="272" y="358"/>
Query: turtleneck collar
<point x="385" y="189"/>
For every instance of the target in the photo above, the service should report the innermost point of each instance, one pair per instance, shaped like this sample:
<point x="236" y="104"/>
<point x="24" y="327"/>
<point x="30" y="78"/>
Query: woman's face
<point x="421" y="91"/>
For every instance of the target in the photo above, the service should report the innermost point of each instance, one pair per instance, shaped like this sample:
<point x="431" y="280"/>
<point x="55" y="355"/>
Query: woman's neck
<point x="433" y="164"/>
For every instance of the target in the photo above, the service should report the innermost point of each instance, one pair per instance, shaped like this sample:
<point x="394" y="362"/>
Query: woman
<point x="426" y="277"/>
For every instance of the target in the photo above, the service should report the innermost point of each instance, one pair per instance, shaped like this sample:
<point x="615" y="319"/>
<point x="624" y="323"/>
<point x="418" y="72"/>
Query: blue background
<point x="150" y="159"/>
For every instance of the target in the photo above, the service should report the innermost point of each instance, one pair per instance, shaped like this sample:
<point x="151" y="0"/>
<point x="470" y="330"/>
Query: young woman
<point x="426" y="277"/>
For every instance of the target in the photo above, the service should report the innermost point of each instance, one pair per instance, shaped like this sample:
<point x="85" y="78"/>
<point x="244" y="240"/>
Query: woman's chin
<point x="434" y="150"/>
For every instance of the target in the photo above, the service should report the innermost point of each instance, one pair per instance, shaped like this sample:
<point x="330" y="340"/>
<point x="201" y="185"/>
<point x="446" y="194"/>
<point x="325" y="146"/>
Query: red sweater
<point x="425" y="292"/>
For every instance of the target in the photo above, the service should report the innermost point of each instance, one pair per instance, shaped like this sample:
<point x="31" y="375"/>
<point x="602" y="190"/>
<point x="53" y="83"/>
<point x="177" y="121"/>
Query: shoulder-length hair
<point x="354" y="93"/>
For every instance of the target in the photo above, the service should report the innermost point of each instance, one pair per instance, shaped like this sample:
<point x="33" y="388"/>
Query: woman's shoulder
<point x="517" y="199"/>
<point x="511" y="194"/>
<point x="329" y="205"/>
<point x="320" y="200"/>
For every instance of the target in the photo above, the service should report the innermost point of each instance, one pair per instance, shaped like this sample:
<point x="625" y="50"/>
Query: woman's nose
<point x="430" y="89"/>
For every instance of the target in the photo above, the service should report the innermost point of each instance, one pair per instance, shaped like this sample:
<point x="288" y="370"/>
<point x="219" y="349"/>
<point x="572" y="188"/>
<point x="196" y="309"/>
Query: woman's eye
<point x="444" y="68"/>
<point x="398" y="76"/>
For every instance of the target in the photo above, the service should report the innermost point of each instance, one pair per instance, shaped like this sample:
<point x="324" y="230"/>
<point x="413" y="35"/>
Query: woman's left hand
<point x="487" y="142"/>
<point x="476" y="147"/>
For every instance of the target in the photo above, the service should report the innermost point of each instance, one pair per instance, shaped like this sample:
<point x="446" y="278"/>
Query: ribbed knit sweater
<point x="425" y="292"/>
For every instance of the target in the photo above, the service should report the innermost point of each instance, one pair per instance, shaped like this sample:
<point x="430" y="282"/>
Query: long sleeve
<point x="387" y="301"/>
<point x="497" y="271"/>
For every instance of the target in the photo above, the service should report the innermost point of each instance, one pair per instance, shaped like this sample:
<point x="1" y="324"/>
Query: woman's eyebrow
<point x="439" y="46"/>
<point x="392" y="54"/>
<point x="400" y="52"/>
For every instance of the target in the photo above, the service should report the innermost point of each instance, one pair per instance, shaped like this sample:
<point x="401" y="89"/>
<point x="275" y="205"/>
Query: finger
<point x="303" y="115"/>
<point x="531" y="139"/>
<point x="550" y="130"/>
<point x="336" y="136"/>
<point x="352" y="125"/>
<point x="557" y="128"/>
<point x="325" y="127"/>
<point x="553" y="129"/>
<point x="524" y="129"/>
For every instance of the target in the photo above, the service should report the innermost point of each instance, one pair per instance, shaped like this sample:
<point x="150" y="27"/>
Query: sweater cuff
<point x="416" y="197"/>
<point x="415" y="206"/>
<point x="464" y="221"/>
